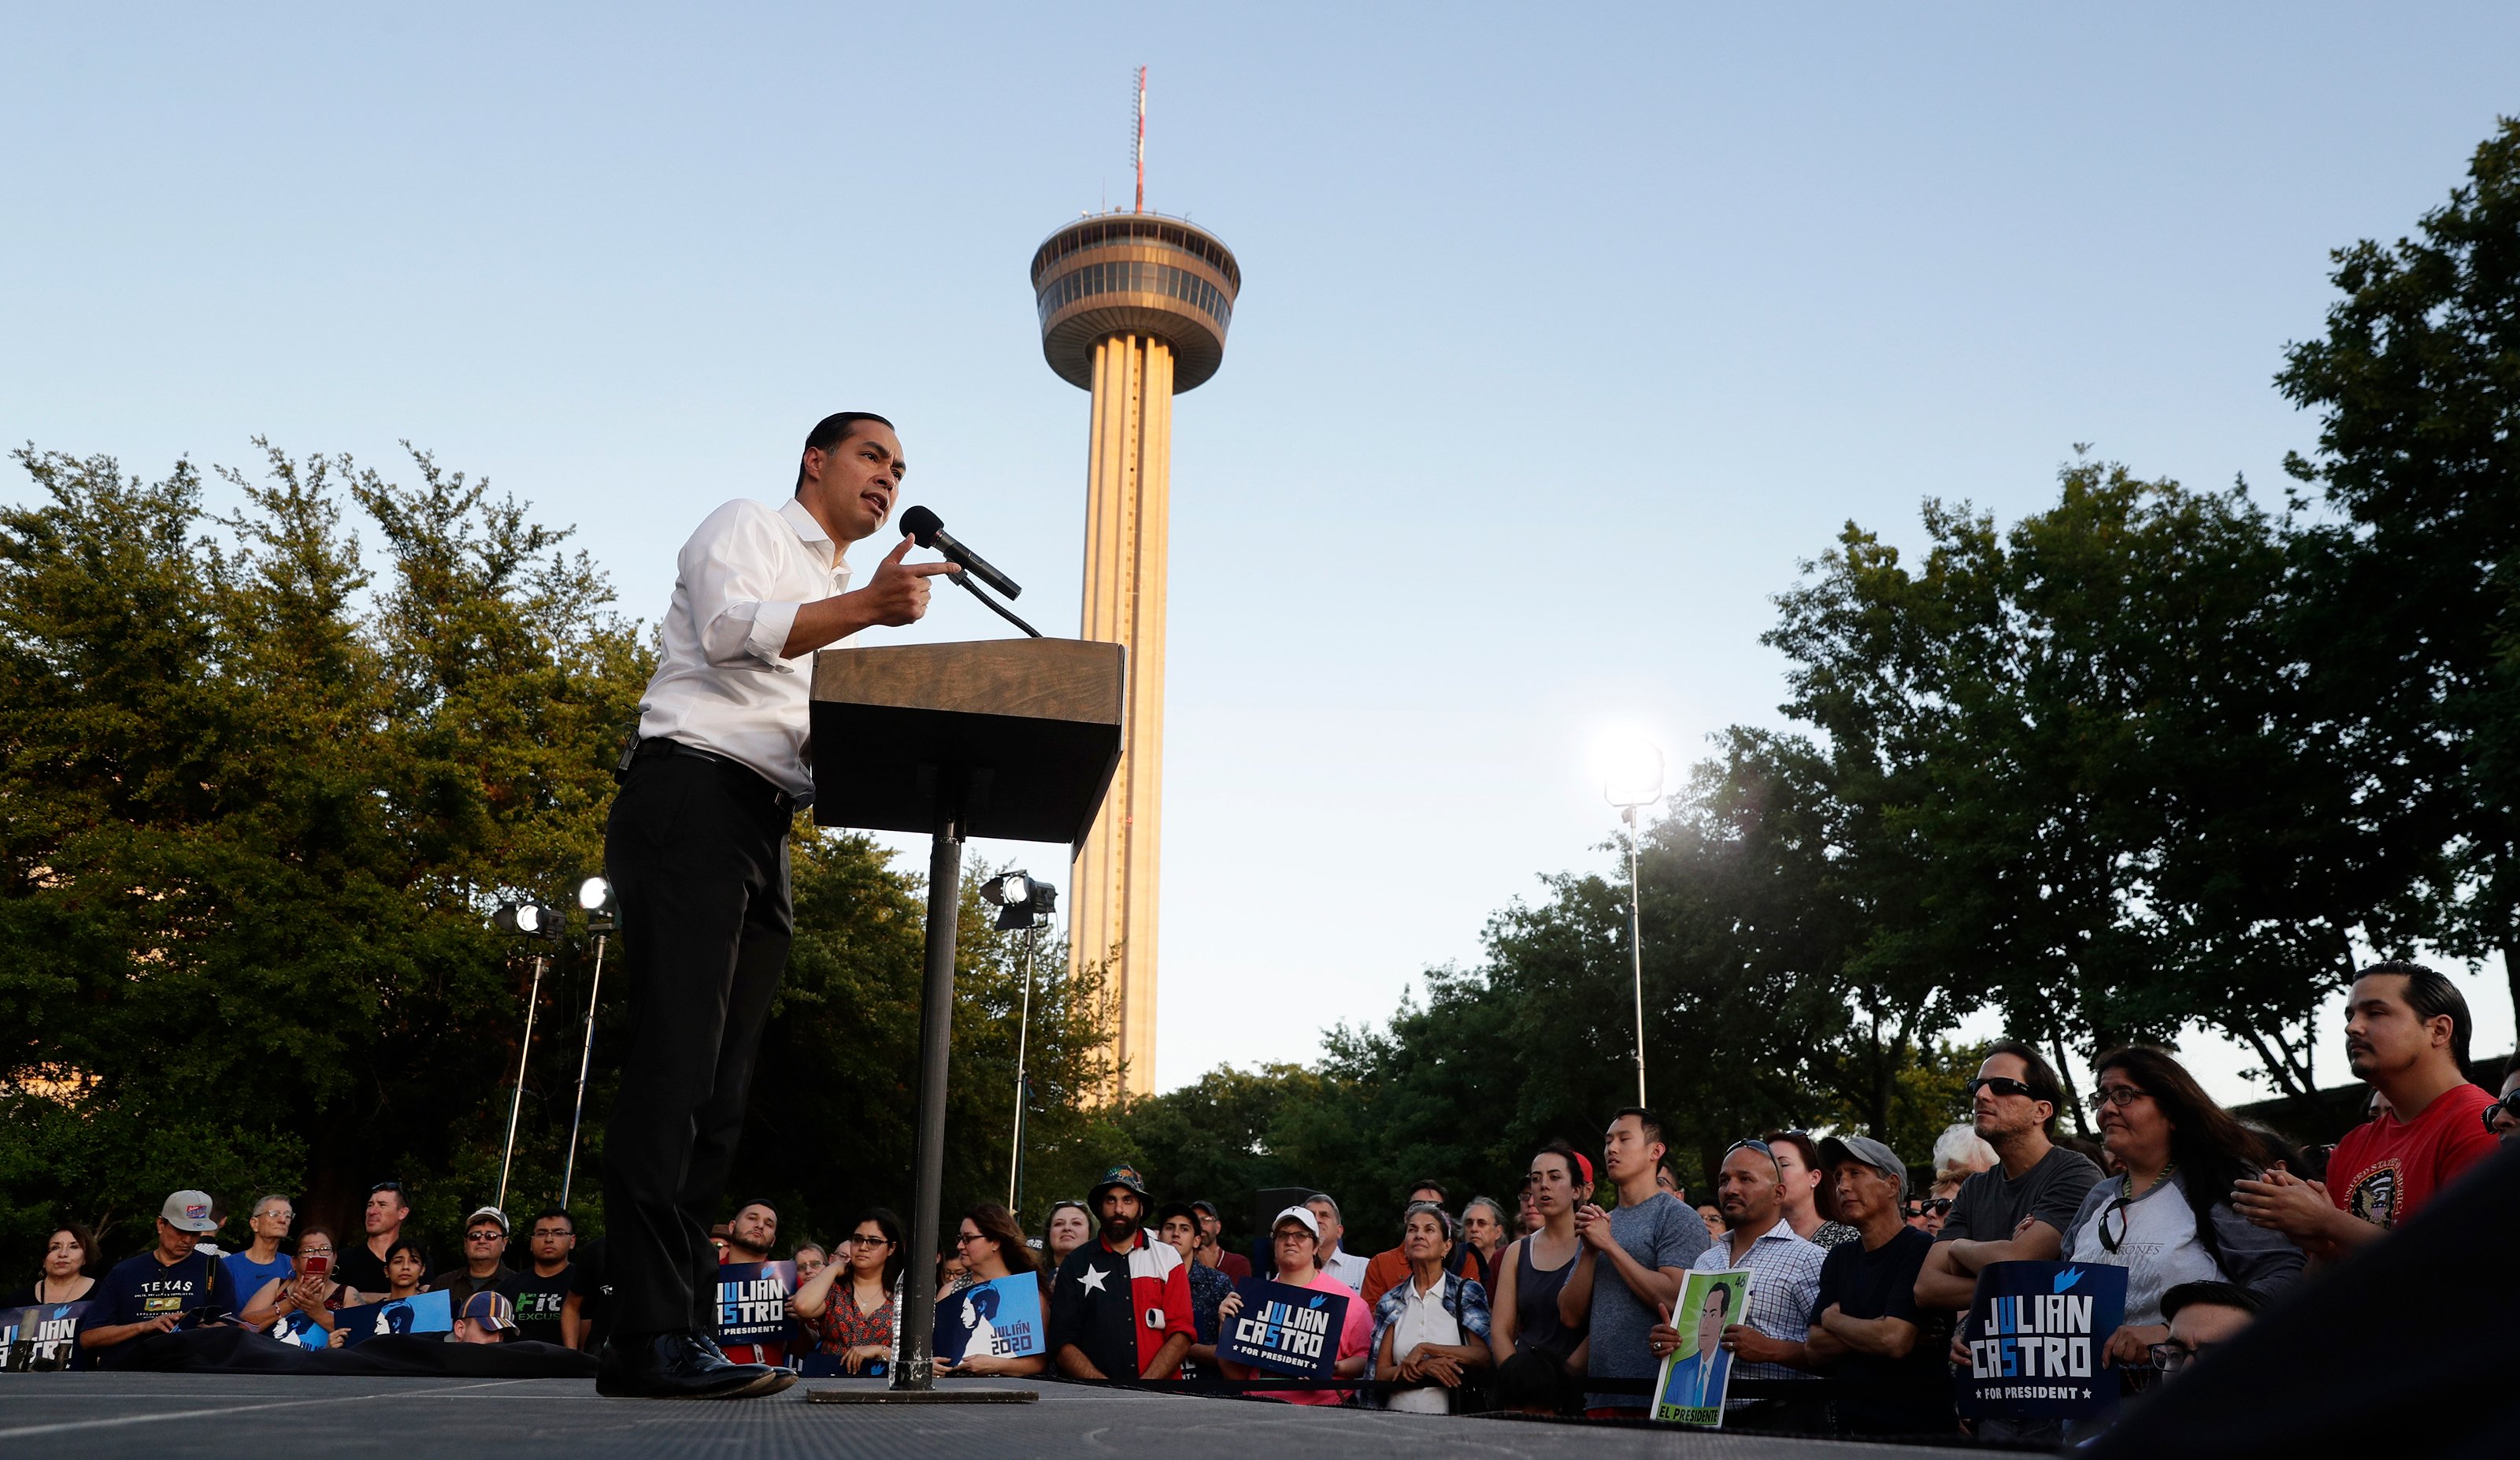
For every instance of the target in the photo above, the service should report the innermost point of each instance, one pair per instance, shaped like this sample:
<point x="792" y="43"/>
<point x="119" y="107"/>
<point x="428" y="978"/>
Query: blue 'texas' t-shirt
<point x="142" y="1288"/>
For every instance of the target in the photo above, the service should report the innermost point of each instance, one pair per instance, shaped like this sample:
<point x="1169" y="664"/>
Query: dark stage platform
<point x="164" y="1415"/>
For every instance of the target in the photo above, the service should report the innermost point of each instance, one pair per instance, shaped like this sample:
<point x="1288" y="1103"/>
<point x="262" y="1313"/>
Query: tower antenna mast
<point x="1137" y="138"/>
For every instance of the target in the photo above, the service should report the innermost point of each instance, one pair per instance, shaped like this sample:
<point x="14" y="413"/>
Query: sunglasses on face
<point x="2000" y="1085"/>
<point x="2509" y="1107"/>
<point x="486" y="1234"/>
<point x="2173" y="1356"/>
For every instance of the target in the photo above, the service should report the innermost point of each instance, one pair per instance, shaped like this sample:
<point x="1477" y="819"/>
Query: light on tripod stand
<point x="595" y="896"/>
<point x="1018" y="900"/>
<point x="526" y="919"/>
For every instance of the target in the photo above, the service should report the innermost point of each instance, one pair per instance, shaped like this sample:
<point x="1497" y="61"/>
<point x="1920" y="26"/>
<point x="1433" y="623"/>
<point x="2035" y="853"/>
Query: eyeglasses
<point x="1294" y="1235"/>
<point x="484" y="1234"/>
<point x="2173" y="1356"/>
<point x="868" y="1241"/>
<point x="1999" y="1084"/>
<point x="2507" y="1108"/>
<point x="2120" y="1096"/>
<point x="964" y="1239"/>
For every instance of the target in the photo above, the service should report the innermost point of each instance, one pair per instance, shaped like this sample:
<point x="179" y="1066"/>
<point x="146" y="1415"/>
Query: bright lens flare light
<point x="593" y="893"/>
<point x="1631" y="767"/>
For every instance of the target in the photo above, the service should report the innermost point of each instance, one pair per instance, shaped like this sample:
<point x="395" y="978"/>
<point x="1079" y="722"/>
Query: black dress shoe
<point x="678" y="1366"/>
<point x="778" y="1378"/>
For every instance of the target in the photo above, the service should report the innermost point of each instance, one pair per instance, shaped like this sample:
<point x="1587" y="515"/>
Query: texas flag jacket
<point x="1118" y="1307"/>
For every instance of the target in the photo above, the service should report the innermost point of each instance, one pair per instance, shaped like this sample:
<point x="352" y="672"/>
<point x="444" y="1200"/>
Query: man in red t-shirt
<point x="2407" y="1030"/>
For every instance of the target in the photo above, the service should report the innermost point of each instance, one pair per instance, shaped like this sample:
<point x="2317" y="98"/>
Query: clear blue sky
<point x="1562" y="340"/>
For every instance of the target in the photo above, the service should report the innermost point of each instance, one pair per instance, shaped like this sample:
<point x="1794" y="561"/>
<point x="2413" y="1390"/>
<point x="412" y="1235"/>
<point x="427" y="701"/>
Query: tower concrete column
<point x="1134" y="308"/>
<point x="1112" y="915"/>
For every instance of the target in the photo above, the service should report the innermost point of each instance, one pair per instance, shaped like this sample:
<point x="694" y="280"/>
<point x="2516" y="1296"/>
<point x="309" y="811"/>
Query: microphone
<point x="928" y="530"/>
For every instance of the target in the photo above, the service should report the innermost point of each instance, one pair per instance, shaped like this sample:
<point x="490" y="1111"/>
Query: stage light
<point x="1632" y="771"/>
<point x="1021" y="900"/>
<point x="526" y="919"/>
<point x="593" y="893"/>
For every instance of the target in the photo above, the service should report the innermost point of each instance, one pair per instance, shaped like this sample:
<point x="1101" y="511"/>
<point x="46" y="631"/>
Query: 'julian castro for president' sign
<point x="2039" y="1337"/>
<point x="1285" y="1329"/>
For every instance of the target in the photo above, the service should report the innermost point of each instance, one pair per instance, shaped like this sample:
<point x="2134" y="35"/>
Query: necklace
<point x="2118" y="1206"/>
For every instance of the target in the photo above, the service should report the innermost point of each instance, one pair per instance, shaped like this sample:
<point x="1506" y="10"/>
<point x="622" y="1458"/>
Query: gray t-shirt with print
<point x="1659" y="1232"/>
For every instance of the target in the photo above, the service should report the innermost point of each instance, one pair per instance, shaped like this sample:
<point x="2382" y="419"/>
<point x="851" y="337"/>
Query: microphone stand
<point x="995" y="607"/>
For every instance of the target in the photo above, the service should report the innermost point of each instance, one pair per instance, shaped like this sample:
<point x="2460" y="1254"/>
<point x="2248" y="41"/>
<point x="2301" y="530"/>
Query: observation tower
<point x="1134" y="308"/>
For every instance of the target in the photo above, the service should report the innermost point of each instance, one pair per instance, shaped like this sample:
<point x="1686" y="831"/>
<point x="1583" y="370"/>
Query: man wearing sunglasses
<point x="2018" y="1211"/>
<point x="2503" y="1116"/>
<point x="486" y="1266"/>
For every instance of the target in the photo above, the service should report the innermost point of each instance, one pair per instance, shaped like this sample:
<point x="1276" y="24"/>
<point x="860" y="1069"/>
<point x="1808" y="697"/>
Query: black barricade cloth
<point x="2404" y="1349"/>
<point x="238" y="1350"/>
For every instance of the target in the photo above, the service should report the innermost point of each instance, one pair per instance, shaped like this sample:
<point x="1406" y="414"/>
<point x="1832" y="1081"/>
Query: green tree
<point x="2416" y="382"/>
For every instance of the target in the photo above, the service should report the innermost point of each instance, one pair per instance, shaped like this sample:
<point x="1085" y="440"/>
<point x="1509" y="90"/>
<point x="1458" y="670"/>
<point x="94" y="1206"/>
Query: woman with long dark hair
<point x="2167" y="1216"/>
<point x="993" y="1246"/>
<point x="850" y="1303"/>
<point x="62" y="1276"/>
<point x="1534" y="1349"/>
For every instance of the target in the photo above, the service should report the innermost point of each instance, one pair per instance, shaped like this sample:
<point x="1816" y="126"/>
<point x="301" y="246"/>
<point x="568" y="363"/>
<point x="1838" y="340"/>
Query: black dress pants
<point x="696" y="850"/>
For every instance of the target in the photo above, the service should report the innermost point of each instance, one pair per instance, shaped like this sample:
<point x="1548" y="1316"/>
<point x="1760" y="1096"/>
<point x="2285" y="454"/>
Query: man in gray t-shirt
<point x="1632" y="1258"/>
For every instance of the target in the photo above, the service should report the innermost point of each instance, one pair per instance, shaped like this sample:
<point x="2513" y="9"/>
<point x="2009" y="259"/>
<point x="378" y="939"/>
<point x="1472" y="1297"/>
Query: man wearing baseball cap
<point x="485" y="1317"/>
<point x="1864" y="1325"/>
<point x="167" y="1285"/>
<point x="1120" y="1306"/>
<point x="485" y="1271"/>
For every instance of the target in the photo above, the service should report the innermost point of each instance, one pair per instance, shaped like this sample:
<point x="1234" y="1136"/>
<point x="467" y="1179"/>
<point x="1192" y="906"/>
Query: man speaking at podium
<point x="696" y="850"/>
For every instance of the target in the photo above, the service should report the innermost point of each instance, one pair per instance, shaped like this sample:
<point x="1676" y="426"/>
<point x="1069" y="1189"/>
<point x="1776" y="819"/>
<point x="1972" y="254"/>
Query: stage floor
<point x="164" y="1415"/>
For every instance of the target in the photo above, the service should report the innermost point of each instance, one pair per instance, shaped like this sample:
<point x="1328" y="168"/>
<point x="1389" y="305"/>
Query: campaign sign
<point x="40" y="1338"/>
<point x="424" y="1312"/>
<point x="1285" y="1329"/>
<point x="1696" y="1375"/>
<point x="752" y="1302"/>
<point x="2039" y="1339"/>
<point x="1000" y="1319"/>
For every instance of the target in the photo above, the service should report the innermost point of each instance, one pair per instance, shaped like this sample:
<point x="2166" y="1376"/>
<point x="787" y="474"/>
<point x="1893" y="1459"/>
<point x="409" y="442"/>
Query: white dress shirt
<point x="721" y="684"/>
<point x="1347" y="1267"/>
<point x="1423" y="1319"/>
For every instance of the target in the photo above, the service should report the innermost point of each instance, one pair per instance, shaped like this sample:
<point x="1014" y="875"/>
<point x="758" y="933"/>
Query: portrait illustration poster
<point x="1694" y="1378"/>
<point x="424" y="1312"/>
<point x="1000" y="1319"/>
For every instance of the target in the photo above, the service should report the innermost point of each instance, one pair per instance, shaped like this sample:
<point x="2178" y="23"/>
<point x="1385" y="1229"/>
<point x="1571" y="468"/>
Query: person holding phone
<point x="298" y="1309"/>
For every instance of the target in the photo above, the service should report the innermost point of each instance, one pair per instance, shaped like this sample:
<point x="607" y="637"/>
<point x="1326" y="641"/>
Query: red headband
<point x="1585" y="1166"/>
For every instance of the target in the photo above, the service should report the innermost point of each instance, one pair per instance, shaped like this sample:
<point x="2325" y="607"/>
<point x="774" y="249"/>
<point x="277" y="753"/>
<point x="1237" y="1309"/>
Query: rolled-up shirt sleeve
<point x="727" y="569"/>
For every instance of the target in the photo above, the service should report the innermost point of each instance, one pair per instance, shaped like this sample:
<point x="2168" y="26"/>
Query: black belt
<point x="649" y="750"/>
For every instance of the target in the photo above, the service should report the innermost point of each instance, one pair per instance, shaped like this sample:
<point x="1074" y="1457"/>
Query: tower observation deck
<point x="1134" y="308"/>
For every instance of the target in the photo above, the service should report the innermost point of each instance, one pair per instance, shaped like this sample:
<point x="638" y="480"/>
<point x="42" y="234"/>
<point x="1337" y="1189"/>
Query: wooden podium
<point x="1015" y="739"/>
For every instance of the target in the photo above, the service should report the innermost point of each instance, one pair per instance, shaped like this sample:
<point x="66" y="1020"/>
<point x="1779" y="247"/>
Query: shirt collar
<point x="1427" y="1295"/>
<point x="809" y="531"/>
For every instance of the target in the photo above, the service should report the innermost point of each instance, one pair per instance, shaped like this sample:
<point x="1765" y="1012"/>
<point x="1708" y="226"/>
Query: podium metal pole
<point x="917" y="1367"/>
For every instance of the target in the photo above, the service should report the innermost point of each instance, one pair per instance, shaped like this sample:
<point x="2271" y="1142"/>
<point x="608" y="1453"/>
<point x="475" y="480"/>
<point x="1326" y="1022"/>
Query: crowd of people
<point x="1863" y="1273"/>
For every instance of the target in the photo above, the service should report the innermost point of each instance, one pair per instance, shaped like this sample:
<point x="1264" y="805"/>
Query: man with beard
<point x="1121" y="1305"/>
<point x="2406" y="1032"/>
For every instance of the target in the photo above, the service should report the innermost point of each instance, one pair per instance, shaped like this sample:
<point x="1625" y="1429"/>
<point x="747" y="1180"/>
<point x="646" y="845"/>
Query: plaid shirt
<point x="1785" y="1279"/>
<point x="1463" y="1298"/>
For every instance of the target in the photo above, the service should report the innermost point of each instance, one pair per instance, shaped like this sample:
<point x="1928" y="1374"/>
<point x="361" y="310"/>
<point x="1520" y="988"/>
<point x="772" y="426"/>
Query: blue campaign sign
<point x="1285" y="1329"/>
<point x="752" y="1302"/>
<point x="1000" y="1319"/>
<point x="41" y="1338"/>
<point x="425" y="1312"/>
<point x="2039" y="1339"/>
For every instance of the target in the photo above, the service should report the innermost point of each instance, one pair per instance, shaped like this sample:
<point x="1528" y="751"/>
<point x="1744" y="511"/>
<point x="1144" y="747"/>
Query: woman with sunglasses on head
<point x="2167" y="1219"/>
<point x="850" y="1303"/>
<point x="992" y="1247"/>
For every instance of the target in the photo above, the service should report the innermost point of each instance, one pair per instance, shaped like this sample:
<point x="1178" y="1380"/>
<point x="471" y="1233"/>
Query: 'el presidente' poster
<point x="1000" y="1319"/>
<point x="2039" y="1337"/>
<point x="424" y="1312"/>
<point x="41" y="1338"/>
<point x="1691" y="1388"/>
<point x="752" y="1302"/>
<point x="1285" y="1330"/>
